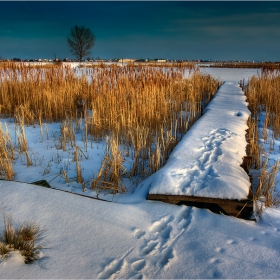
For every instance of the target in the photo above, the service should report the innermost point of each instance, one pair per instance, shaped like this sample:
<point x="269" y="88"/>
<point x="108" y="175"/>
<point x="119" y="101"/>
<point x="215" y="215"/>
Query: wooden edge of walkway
<point x="232" y="207"/>
<point x="45" y="184"/>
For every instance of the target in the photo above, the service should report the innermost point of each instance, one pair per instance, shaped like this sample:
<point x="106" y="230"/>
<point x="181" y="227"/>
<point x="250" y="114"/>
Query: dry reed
<point x="267" y="185"/>
<point x="24" y="239"/>
<point x="263" y="95"/>
<point x="144" y="108"/>
<point x="111" y="170"/>
<point x="7" y="154"/>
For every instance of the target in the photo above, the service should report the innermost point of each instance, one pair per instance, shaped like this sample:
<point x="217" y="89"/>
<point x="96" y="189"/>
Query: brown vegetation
<point x="262" y="65"/>
<point x="263" y="95"/>
<point x="24" y="239"/>
<point x="144" y="110"/>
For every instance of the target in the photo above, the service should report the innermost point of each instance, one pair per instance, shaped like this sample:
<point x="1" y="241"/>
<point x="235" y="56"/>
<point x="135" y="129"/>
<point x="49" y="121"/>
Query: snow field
<point x="94" y="239"/>
<point x="135" y="238"/>
<point x="231" y="74"/>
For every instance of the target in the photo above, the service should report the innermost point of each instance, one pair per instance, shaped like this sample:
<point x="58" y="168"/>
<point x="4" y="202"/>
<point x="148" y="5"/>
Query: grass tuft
<point x="24" y="238"/>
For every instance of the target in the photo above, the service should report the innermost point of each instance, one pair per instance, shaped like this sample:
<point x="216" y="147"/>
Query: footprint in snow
<point x="138" y="233"/>
<point x="148" y="247"/>
<point x="138" y="265"/>
<point x="231" y="242"/>
<point x="161" y="225"/>
<point x="217" y="274"/>
<point x="214" y="261"/>
<point x="220" y="250"/>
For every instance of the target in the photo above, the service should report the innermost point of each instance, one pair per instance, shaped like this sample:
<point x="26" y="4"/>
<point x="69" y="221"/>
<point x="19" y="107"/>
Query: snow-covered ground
<point x="132" y="237"/>
<point x="94" y="239"/>
<point x="232" y="74"/>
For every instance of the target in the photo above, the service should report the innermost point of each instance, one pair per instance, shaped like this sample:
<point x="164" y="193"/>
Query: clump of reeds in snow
<point x="255" y="149"/>
<point x="67" y="134"/>
<point x="109" y="176"/>
<point x="20" y="131"/>
<point x="78" y="167"/>
<point x="267" y="185"/>
<point x="7" y="154"/>
<point x="263" y="96"/>
<point x="24" y="238"/>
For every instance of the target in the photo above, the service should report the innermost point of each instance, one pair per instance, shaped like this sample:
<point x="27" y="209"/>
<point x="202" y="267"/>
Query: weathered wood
<point x="42" y="183"/>
<point x="246" y="163"/>
<point x="236" y="208"/>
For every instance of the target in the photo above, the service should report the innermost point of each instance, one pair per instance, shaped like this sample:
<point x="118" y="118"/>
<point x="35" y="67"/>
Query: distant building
<point x="126" y="60"/>
<point x="141" y="60"/>
<point x="160" y="60"/>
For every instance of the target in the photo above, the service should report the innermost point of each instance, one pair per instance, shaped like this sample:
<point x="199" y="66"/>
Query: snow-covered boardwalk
<point x="206" y="163"/>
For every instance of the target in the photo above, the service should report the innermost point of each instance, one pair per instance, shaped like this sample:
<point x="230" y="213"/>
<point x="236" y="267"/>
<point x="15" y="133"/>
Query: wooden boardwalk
<point x="198" y="158"/>
<point x="231" y="207"/>
<point x="238" y="208"/>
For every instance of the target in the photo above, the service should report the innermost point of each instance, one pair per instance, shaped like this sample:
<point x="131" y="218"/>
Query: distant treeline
<point x="262" y="65"/>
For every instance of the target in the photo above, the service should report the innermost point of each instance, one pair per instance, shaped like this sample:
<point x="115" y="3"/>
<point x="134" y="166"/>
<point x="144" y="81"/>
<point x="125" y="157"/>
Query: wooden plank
<point x="237" y="208"/>
<point x="42" y="183"/>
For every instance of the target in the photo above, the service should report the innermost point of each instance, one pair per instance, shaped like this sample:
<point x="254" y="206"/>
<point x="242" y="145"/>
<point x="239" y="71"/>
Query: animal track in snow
<point x="155" y="248"/>
<point x="202" y="169"/>
<point x="114" y="266"/>
<point x="138" y="233"/>
<point x="231" y="242"/>
<point x="214" y="261"/>
<point x="161" y="225"/>
<point x="138" y="265"/>
<point x="150" y="246"/>
<point x="220" y="250"/>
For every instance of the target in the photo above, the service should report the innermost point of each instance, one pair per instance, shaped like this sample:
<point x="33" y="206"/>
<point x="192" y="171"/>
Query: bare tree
<point x="80" y="41"/>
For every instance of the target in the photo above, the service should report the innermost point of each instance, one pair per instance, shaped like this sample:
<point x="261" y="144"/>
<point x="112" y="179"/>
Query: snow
<point x="206" y="162"/>
<point x="231" y="74"/>
<point x="136" y="238"/>
<point x="88" y="238"/>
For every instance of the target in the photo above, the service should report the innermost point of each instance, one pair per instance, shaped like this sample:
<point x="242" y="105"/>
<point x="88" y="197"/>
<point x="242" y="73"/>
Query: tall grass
<point x="7" y="154"/>
<point x="144" y="110"/>
<point x="263" y="95"/>
<point x="110" y="174"/>
<point x="267" y="185"/>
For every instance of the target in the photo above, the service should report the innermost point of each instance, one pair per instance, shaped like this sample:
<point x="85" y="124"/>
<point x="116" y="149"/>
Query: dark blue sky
<point x="174" y="30"/>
